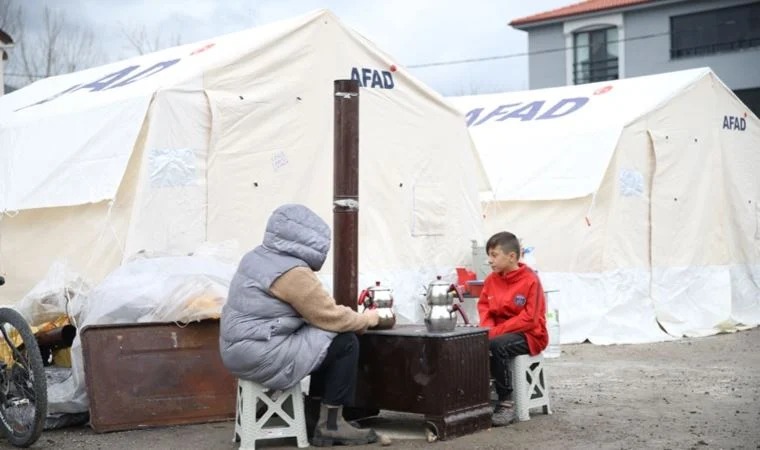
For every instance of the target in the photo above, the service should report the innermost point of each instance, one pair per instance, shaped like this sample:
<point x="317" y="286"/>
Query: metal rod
<point x="346" y="192"/>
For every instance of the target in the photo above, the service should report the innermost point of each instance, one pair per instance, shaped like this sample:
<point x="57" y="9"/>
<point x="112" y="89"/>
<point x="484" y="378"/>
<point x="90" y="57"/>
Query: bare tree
<point x="140" y="41"/>
<point x="59" y="47"/>
<point x="11" y="18"/>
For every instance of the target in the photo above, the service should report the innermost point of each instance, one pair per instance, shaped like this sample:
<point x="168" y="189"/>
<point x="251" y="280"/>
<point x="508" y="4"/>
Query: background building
<point x="597" y="40"/>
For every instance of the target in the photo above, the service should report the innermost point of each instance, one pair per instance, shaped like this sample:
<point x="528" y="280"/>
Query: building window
<point x="595" y="55"/>
<point x="751" y="98"/>
<point x="715" y="31"/>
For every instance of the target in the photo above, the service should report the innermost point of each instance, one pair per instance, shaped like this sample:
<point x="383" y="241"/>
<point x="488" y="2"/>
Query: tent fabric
<point x="68" y="171"/>
<point x="199" y="143"/>
<point x="641" y="204"/>
<point x="508" y="127"/>
<point x="109" y="101"/>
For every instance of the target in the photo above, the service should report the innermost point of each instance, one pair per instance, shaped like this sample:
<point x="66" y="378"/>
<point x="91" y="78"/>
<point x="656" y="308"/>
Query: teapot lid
<point x="377" y="287"/>
<point x="439" y="282"/>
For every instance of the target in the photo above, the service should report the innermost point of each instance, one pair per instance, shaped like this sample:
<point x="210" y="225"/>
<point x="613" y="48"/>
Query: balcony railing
<point x="595" y="70"/>
<point x="710" y="49"/>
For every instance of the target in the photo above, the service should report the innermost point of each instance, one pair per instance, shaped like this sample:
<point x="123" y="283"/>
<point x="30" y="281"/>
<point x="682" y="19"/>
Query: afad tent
<point x="199" y="143"/>
<point x="641" y="198"/>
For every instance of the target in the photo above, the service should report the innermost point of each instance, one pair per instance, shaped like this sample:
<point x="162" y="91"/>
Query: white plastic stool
<point x="530" y="389"/>
<point x="274" y="409"/>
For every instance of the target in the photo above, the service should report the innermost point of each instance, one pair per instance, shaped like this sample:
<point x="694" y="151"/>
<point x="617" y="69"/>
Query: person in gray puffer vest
<point x="280" y="325"/>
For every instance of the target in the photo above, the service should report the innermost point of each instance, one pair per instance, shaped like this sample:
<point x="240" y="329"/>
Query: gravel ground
<point x="696" y="393"/>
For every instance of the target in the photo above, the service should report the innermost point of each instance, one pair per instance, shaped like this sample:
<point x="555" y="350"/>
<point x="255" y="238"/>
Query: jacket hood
<point x="297" y="231"/>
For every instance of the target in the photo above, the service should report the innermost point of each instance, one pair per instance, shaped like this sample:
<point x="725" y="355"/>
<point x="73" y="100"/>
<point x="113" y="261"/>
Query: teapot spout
<point x="425" y="309"/>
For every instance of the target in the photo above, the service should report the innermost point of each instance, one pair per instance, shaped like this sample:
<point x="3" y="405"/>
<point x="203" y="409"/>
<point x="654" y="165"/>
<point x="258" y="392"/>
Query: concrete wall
<point x="546" y="69"/>
<point x="739" y="69"/>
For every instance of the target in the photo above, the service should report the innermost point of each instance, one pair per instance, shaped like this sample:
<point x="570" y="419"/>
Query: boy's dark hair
<point x="505" y="240"/>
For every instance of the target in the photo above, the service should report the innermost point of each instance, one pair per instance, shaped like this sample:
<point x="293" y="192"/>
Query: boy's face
<point x="501" y="262"/>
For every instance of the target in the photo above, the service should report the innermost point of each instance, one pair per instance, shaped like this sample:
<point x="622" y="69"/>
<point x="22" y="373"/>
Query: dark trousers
<point x="335" y="379"/>
<point x="503" y="348"/>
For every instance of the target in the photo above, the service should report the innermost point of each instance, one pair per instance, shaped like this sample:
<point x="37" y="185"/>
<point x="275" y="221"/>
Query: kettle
<point x="379" y="298"/>
<point x="440" y="308"/>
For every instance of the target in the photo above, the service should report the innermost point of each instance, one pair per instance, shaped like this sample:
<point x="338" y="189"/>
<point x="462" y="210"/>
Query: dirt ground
<point x="696" y="393"/>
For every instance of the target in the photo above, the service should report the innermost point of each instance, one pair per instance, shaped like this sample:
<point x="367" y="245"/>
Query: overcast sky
<point x="413" y="31"/>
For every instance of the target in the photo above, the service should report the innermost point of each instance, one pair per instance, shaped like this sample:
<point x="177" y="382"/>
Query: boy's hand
<point x="372" y="317"/>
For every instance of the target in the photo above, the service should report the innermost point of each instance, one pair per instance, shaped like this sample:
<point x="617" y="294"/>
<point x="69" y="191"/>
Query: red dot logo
<point x="202" y="49"/>
<point x="393" y="68"/>
<point x="603" y="90"/>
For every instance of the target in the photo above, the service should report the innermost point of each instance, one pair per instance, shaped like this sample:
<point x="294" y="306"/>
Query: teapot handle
<point x="454" y="287"/>
<point x="362" y="297"/>
<point x="459" y="308"/>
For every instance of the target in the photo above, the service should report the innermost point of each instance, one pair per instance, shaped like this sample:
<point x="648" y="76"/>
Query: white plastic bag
<point x="49" y="299"/>
<point x="164" y="289"/>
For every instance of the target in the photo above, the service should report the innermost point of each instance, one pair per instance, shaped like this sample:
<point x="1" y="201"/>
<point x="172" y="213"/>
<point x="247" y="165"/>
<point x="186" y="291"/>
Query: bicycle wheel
<point x="23" y="388"/>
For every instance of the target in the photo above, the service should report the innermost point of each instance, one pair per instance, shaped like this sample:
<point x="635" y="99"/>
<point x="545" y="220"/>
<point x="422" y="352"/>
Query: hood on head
<point x="297" y="231"/>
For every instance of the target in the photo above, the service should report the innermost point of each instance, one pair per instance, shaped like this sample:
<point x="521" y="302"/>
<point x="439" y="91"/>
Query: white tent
<point x="199" y="143"/>
<point x="641" y="197"/>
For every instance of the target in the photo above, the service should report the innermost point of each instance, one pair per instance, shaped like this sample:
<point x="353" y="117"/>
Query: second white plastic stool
<point x="530" y="388"/>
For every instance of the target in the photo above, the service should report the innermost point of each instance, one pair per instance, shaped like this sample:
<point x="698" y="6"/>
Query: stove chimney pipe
<point x="346" y="192"/>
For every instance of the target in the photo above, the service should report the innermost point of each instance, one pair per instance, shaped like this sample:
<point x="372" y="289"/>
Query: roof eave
<point x="524" y="26"/>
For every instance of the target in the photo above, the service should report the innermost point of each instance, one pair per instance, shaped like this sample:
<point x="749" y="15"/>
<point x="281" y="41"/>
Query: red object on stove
<point x="463" y="276"/>
<point x="475" y="287"/>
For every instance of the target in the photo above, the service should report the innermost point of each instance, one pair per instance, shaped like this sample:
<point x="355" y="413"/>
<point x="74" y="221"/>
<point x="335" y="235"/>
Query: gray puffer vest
<point x="262" y="338"/>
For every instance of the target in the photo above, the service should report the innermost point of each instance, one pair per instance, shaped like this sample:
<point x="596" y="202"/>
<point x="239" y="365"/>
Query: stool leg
<point x="238" y="406"/>
<point x="547" y="399"/>
<point x="299" y="414"/>
<point x="535" y="385"/>
<point x="520" y="393"/>
<point x="249" y="424"/>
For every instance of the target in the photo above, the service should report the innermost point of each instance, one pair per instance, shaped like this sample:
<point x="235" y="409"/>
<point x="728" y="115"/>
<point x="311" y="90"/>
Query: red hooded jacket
<point x="514" y="302"/>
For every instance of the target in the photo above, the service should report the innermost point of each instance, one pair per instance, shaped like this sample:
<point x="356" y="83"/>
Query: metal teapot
<point x="380" y="299"/>
<point x="440" y="307"/>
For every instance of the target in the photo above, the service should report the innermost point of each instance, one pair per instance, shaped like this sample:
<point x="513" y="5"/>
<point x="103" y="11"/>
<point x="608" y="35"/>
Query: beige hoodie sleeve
<point x="301" y="288"/>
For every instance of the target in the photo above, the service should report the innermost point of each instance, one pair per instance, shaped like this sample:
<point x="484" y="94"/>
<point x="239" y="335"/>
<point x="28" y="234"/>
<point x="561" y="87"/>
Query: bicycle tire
<point x="38" y="382"/>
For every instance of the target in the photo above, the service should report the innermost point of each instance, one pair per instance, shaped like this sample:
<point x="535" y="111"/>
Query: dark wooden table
<point x="441" y="375"/>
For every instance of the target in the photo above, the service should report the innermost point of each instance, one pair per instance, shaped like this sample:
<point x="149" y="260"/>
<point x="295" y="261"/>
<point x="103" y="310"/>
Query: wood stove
<point x="441" y="375"/>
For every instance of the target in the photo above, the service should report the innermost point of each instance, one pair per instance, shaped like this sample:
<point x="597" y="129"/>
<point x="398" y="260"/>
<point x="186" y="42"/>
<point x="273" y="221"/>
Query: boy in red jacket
<point x="513" y="308"/>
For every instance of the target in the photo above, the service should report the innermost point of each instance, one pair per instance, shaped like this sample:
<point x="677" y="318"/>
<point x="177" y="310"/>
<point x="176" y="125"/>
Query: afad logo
<point x="536" y="110"/>
<point x="120" y="78"/>
<point x="373" y="78"/>
<point x="735" y="123"/>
